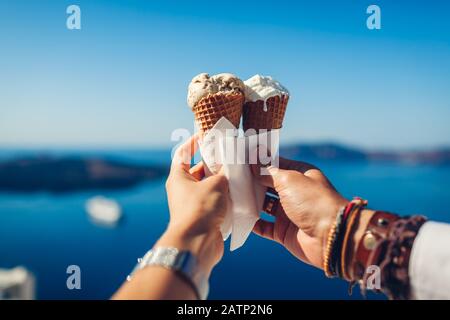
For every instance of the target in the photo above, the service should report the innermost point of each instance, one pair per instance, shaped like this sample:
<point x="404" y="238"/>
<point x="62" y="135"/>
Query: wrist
<point x="347" y="229"/>
<point x="327" y="223"/>
<point x="198" y="245"/>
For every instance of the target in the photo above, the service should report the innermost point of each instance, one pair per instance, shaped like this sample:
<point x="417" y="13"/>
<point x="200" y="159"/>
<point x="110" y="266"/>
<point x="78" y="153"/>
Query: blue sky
<point x="121" y="80"/>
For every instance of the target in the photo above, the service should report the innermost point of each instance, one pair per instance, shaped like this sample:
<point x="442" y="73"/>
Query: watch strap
<point x="182" y="262"/>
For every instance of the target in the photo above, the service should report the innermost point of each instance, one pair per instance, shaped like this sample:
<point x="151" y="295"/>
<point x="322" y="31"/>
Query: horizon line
<point x="157" y="147"/>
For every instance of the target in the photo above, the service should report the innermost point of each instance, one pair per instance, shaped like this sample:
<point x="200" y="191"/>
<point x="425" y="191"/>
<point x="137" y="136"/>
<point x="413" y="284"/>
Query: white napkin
<point x="222" y="146"/>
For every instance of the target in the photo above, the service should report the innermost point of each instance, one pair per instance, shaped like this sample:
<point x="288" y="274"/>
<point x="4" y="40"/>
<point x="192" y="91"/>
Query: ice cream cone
<point x="258" y="116"/>
<point x="209" y="109"/>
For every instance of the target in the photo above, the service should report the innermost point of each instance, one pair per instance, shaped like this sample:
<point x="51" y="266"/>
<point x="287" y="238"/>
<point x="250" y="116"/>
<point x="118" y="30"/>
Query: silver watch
<point x="183" y="262"/>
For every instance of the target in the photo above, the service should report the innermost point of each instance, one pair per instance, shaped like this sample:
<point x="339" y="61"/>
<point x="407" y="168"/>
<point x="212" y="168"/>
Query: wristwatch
<point x="182" y="262"/>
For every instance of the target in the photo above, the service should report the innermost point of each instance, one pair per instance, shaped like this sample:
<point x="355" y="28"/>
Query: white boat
<point x="17" y="284"/>
<point x="103" y="210"/>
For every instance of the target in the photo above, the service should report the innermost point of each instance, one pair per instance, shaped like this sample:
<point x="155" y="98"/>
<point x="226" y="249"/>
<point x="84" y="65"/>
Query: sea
<point x="48" y="232"/>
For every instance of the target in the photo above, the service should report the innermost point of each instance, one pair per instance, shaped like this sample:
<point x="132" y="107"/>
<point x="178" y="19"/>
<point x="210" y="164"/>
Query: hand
<point x="197" y="207"/>
<point x="307" y="209"/>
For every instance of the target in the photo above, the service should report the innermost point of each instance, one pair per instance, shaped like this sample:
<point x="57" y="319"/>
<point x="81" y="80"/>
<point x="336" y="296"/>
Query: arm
<point x="307" y="211"/>
<point x="197" y="208"/>
<point x="157" y="283"/>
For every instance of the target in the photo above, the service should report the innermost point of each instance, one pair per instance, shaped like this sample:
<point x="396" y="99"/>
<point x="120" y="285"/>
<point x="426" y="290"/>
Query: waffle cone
<point x="254" y="116"/>
<point x="215" y="106"/>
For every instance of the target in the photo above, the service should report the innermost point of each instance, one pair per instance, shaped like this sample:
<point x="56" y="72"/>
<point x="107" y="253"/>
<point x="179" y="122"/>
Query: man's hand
<point x="307" y="208"/>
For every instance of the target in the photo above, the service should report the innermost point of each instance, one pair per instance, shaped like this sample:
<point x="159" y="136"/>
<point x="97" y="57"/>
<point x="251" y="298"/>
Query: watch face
<point x="168" y="257"/>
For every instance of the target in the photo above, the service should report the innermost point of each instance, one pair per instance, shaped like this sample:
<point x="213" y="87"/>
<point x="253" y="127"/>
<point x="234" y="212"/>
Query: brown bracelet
<point x="387" y="244"/>
<point x="368" y="248"/>
<point x="395" y="263"/>
<point x="353" y="215"/>
<point x="335" y="254"/>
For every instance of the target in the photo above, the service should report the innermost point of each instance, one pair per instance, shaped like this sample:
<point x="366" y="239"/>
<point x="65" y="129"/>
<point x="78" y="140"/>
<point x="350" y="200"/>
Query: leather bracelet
<point x="394" y="264"/>
<point x="369" y="248"/>
<point x="358" y="206"/>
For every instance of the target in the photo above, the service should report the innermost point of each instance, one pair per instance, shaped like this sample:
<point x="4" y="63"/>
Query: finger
<point x="198" y="171"/>
<point x="300" y="166"/>
<point x="264" y="229"/>
<point x="217" y="182"/>
<point x="183" y="155"/>
<point x="265" y="181"/>
<point x="305" y="168"/>
<point x="269" y="176"/>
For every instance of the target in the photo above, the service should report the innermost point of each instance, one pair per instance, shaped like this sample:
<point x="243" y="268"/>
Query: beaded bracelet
<point x="329" y="265"/>
<point x="334" y="263"/>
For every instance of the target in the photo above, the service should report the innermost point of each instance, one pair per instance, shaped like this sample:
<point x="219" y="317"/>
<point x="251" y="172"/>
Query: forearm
<point x="157" y="282"/>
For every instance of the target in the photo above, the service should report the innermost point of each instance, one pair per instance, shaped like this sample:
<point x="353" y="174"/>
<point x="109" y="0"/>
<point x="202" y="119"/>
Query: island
<point x="73" y="174"/>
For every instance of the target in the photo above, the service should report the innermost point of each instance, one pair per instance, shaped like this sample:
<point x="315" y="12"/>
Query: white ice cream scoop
<point x="262" y="88"/>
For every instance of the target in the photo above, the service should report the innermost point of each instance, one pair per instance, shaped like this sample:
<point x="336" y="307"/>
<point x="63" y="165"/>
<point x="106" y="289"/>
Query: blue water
<point x="46" y="233"/>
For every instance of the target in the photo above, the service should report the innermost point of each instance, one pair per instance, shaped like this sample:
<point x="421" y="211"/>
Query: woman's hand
<point x="197" y="207"/>
<point x="307" y="209"/>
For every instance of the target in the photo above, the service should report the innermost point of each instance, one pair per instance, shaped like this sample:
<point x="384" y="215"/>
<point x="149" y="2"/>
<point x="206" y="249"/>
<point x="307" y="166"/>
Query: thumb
<point x="217" y="182"/>
<point x="271" y="176"/>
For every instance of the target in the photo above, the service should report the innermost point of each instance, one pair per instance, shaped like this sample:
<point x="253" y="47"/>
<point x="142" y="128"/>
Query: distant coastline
<point x="57" y="174"/>
<point x="43" y="173"/>
<point x="339" y="152"/>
